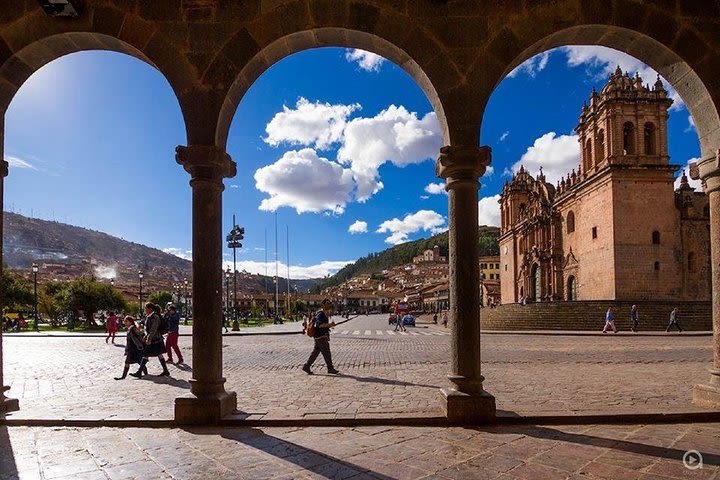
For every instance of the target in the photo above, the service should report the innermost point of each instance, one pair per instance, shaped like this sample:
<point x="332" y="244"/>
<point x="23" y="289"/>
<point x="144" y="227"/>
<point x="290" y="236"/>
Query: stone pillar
<point x="465" y="401"/>
<point x="6" y="404"/>
<point x="708" y="395"/>
<point x="208" y="401"/>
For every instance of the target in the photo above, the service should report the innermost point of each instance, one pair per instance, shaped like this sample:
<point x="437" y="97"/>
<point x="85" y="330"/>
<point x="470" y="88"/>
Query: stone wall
<point x="590" y="315"/>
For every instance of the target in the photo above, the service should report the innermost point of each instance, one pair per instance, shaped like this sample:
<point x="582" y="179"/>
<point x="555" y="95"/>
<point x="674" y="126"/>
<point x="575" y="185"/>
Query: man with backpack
<point x="172" y="320"/>
<point x="319" y="329"/>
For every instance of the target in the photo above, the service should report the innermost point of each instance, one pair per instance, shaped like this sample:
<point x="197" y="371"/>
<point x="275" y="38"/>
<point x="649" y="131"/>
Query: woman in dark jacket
<point x="154" y="344"/>
<point x="134" y="346"/>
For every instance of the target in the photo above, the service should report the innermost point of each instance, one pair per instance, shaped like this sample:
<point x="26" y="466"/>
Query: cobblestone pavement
<point x="589" y="452"/>
<point x="383" y="375"/>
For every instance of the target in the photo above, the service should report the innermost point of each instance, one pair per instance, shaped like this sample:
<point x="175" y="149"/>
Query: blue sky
<point x="340" y="144"/>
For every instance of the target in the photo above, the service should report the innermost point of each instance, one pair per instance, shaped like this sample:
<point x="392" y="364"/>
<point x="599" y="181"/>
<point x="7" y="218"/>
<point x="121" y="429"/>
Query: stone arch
<point x="296" y="42"/>
<point x="628" y="138"/>
<point x="691" y="71"/>
<point x="47" y="43"/>
<point x="571" y="288"/>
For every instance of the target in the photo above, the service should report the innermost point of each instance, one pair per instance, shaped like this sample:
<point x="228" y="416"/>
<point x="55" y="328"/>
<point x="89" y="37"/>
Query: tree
<point x="88" y="296"/>
<point x="17" y="292"/>
<point x="160" y="298"/>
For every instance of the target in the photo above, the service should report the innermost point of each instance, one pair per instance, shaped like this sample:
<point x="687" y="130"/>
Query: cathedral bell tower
<point x="624" y="124"/>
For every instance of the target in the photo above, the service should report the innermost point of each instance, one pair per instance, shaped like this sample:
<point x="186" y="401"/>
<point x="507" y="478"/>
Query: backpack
<point x="310" y="328"/>
<point x="163" y="326"/>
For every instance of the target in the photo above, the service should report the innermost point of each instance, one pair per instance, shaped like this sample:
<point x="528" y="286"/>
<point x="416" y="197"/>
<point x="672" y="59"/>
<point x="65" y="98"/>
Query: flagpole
<point x="276" y="266"/>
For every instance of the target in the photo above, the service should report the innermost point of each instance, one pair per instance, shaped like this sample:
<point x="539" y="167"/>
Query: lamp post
<point x="227" y="297"/>
<point x="35" y="312"/>
<point x="140" y="276"/>
<point x="233" y="238"/>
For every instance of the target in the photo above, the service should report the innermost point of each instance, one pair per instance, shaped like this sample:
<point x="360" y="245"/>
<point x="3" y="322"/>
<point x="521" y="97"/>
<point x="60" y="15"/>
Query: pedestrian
<point x="172" y="317"/>
<point x="400" y="324"/>
<point x="435" y="318"/>
<point x="134" y="346"/>
<point x="321" y="336"/>
<point x="610" y="320"/>
<point x="111" y="324"/>
<point x="154" y="344"/>
<point x="634" y="318"/>
<point x="674" y="320"/>
<point x="445" y="318"/>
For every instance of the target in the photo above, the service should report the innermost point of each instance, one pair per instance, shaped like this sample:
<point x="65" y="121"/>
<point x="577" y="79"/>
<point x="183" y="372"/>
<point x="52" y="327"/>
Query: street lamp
<point x="227" y="297"/>
<point x="35" y="272"/>
<point x="140" y="276"/>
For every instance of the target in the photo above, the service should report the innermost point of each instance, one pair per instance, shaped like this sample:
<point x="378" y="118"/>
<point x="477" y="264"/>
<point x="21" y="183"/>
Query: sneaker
<point x="307" y="370"/>
<point x="334" y="372"/>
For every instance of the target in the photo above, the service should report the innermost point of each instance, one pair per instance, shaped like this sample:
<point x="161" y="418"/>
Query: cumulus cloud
<point x="368" y="61"/>
<point x="696" y="184"/>
<point x="691" y="125"/>
<point x="504" y="136"/>
<point x="358" y="226"/>
<point x="557" y="155"/>
<point x="298" y="272"/>
<point x="179" y="252"/>
<point x="314" y="124"/>
<point x="306" y="182"/>
<point x="393" y="135"/>
<point x="532" y="65"/>
<point x="17" y="162"/>
<point x="489" y="211"/>
<point x="605" y="60"/>
<point x="435" y="189"/>
<point x="427" y="220"/>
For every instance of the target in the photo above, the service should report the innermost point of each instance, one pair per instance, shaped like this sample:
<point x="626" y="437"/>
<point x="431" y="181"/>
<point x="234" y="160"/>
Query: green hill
<point x="404" y="253"/>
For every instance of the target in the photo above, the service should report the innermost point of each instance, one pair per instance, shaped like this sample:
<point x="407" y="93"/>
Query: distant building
<point x="615" y="228"/>
<point x="430" y="256"/>
<point x="490" y="268"/>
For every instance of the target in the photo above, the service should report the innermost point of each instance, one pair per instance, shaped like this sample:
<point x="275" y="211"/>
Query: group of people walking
<point x="635" y="320"/>
<point x="146" y="340"/>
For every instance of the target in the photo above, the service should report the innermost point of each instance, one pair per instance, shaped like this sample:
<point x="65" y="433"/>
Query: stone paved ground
<point x="382" y="375"/>
<point x="589" y="452"/>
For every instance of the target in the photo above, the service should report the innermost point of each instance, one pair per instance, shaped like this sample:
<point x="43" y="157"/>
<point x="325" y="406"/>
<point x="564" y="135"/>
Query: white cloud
<point x="358" y="226"/>
<point x="309" y="124"/>
<point x="435" y="189"/>
<point x="306" y="182"/>
<point x="368" y="61"/>
<point x="532" y="65"/>
<point x="234" y="185"/>
<point x="504" y="136"/>
<point x="424" y="197"/>
<point x="606" y="60"/>
<point x="427" y="220"/>
<point x="691" y="125"/>
<point x="298" y="272"/>
<point x="179" y="252"/>
<point x="556" y="155"/>
<point x="696" y="184"/>
<point x="393" y="135"/>
<point x="489" y="170"/>
<point x="17" y="162"/>
<point x="489" y="211"/>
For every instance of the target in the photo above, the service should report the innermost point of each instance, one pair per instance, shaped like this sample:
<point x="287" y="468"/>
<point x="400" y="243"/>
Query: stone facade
<point x="590" y="237"/>
<point x="431" y="255"/>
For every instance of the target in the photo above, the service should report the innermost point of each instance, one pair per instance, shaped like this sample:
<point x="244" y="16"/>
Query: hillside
<point x="65" y="252"/>
<point x="404" y="253"/>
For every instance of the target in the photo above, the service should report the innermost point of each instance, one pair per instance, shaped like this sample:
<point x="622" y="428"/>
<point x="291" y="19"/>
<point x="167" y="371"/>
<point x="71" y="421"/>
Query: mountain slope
<point x="404" y="253"/>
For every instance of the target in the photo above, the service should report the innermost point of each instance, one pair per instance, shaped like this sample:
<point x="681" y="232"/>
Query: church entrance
<point x="572" y="289"/>
<point x="535" y="282"/>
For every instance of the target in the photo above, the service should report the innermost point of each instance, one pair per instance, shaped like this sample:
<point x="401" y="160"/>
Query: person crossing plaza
<point x="610" y="320"/>
<point x="111" y="324"/>
<point x="320" y="330"/>
<point x="172" y="317"/>
<point x="674" y="320"/>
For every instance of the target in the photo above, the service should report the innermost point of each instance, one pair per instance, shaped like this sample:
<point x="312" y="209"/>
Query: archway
<point x="103" y="172"/>
<point x="572" y="288"/>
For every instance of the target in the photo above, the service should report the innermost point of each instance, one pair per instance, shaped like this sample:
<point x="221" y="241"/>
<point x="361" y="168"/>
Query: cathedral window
<point x="628" y="139"/>
<point x="657" y="266"/>
<point x="656" y="237"/>
<point x="594" y="232"/>
<point x="649" y="139"/>
<point x="600" y="147"/>
<point x="588" y="155"/>
<point x="691" y="262"/>
<point x="570" y="220"/>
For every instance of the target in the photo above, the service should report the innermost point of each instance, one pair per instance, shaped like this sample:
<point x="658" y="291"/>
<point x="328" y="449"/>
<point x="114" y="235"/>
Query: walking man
<point x="634" y="318"/>
<point x="171" y="343"/>
<point x="674" y="320"/>
<point x="399" y="323"/>
<point x="322" y="338"/>
<point x="111" y="326"/>
<point x="444" y="318"/>
<point x="610" y="320"/>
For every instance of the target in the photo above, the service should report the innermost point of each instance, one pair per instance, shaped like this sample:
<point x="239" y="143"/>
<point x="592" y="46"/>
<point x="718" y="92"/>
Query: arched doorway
<point x="535" y="283"/>
<point x="572" y="288"/>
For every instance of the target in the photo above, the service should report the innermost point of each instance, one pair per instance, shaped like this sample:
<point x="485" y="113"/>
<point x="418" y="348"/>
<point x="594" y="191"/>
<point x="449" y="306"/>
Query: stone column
<point x="708" y="395"/>
<point x="6" y="404"/>
<point x="208" y="401"/>
<point x="465" y="401"/>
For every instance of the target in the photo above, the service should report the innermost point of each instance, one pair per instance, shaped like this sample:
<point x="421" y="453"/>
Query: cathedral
<point x="615" y="228"/>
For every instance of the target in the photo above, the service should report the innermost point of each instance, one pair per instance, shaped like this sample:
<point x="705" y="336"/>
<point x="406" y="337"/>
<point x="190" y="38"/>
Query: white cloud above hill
<point x="557" y="155"/>
<point x="358" y="226"/>
<point x="426" y="220"/>
<point x="489" y="211"/>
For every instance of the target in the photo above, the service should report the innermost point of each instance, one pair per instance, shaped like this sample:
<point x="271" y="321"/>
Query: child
<point x="134" y="346"/>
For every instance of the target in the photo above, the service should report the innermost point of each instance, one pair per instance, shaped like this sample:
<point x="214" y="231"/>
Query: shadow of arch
<point x="18" y="68"/>
<point x="662" y="59"/>
<point x="323" y="37"/>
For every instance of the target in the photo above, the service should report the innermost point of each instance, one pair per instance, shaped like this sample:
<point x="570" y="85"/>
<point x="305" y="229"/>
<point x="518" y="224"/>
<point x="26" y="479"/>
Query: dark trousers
<point x="676" y="323"/>
<point x="322" y="345"/>
<point x="634" y="324"/>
